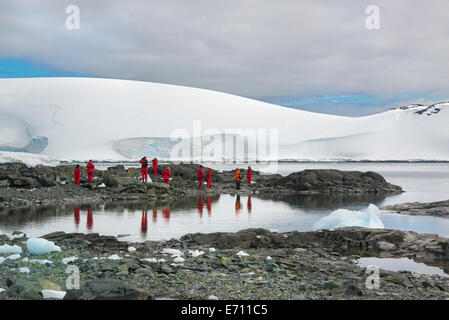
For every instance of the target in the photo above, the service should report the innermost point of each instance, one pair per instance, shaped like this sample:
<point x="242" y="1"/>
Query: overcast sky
<point x="316" y="55"/>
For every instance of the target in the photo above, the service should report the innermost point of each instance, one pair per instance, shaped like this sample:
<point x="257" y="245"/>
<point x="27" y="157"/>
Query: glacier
<point x="368" y="218"/>
<point x="109" y="119"/>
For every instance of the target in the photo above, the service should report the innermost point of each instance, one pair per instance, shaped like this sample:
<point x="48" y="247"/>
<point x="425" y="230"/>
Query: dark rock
<point x="107" y="289"/>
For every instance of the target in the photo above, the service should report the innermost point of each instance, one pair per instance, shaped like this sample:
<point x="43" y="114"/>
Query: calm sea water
<point x="421" y="181"/>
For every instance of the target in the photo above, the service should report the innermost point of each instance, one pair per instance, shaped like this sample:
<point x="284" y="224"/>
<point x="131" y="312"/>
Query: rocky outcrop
<point x="438" y="209"/>
<point x="335" y="181"/>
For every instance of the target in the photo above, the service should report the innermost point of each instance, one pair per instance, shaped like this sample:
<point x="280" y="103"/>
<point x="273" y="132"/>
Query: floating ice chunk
<point x="24" y="270"/>
<point x="43" y="261"/>
<point x="131" y="249"/>
<point x="368" y="218"/>
<point x="212" y="297"/>
<point x="70" y="259"/>
<point x="53" y="294"/>
<point x="41" y="246"/>
<point x="196" y="253"/>
<point x="13" y="256"/>
<point x="6" y="248"/>
<point x="16" y="236"/>
<point x="212" y="250"/>
<point x="179" y="259"/>
<point x="242" y="254"/>
<point x="268" y="258"/>
<point x="172" y="252"/>
<point x="114" y="257"/>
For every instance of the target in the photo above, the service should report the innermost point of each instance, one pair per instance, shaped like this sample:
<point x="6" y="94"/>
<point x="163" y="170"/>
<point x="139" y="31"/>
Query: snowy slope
<point x="84" y="118"/>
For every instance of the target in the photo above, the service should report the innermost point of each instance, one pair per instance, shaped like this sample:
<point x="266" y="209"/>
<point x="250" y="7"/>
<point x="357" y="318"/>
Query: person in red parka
<point x="209" y="178"/>
<point x="249" y="174"/>
<point x="200" y="175"/>
<point x="77" y="174"/>
<point x="166" y="175"/>
<point x="155" y="166"/>
<point x="90" y="171"/>
<point x="144" y="168"/>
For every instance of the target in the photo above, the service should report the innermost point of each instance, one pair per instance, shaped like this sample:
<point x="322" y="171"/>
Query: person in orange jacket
<point x="209" y="178"/>
<point x="144" y="168"/>
<point x="90" y="171"/>
<point x="249" y="174"/>
<point x="77" y="174"/>
<point x="166" y="175"/>
<point x="200" y="175"/>
<point x="238" y="178"/>
<point x="155" y="166"/>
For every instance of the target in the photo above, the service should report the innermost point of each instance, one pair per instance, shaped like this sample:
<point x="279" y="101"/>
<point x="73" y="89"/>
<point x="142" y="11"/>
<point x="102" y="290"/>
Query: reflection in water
<point x="209" y="205"/>
<point x="90" y="219"/>
<point x="249" y="204"/>
<point x="76" y="213"/>
<point x="154" y="215"/>
<point x="200" y="206"/>
<point x="144" y="223"/>
<point x="237" y="204"/>
<point x="166" y="214"/>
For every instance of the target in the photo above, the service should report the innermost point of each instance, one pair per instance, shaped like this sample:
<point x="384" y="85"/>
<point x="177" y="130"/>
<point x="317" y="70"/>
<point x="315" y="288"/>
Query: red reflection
<point x="76" y="213"/>
<point x="209" y="205"/>
<point x="237" y="204"/>
<point x="90" y="219"/>
<point x="166" y="214"/>
<point x="200" y="206"/>
<point x="249" y="204"/>
<point x="144" y="222"/>
<point x="154" y="215"/>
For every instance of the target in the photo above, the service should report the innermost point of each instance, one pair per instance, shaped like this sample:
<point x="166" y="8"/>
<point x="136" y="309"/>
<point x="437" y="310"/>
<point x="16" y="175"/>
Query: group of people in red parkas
<point x="90" y="172"/>
<point x="166" y="174"/>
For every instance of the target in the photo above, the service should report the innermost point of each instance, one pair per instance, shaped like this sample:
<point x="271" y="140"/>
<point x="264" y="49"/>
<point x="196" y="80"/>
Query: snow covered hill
<point x="106" y="119"/>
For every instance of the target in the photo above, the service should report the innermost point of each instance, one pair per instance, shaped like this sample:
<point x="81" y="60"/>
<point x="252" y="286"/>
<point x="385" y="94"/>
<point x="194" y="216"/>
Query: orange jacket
<point x="237" y="175"/>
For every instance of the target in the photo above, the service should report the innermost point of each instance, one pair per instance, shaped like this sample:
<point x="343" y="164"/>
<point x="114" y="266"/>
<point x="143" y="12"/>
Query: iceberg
<point x="368" y="218"/>
<point x="41" y="246"/>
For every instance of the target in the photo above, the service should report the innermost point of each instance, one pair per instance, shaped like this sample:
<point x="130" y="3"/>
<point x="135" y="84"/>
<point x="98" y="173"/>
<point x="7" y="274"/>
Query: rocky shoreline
<point x="437" y="209"/>
<point x="22" y="186"/>
<point x="249" y="264"/>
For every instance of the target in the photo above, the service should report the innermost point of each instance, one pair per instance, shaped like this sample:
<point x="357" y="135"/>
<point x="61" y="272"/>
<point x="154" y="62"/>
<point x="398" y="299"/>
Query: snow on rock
<point x="1" y="290"/>
<point x="131" y="249"/>
<point x="13" y="257"/>
<point x="68" y="260"/>
<point x="179" y="260"/>
<point x="41" y="261"/>
<point x="242" y="254"/>
<point x="173" y="252"/>
<point x="102" y="185"/>
<point x="114" y="257"/>
<point x="212" y="249"/>
<point x="152" y="260"/>
<point x="268" y="258"/>
<point x="53" y="294"/>
<point x="24" y="270"/>
<point x="6" y="248"/>
<point x="196" y="253"/>
<point x="212" y="297"/>
<point x="16" y="236"/>
<point x="41" y="246"/>
<point x="368" y="218"/>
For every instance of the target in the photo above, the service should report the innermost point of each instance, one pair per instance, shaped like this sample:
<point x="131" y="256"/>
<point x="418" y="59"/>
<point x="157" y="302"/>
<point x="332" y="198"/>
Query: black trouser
<point x="237" y="185"/>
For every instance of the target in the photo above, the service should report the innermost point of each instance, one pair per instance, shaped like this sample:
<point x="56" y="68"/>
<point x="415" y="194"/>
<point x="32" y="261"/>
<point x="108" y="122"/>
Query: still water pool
<point x="421" y="181"/>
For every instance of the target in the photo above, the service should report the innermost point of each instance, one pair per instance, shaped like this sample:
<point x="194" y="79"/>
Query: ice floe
<point x="368" y="218"/>
<point x="41" y="246"/>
